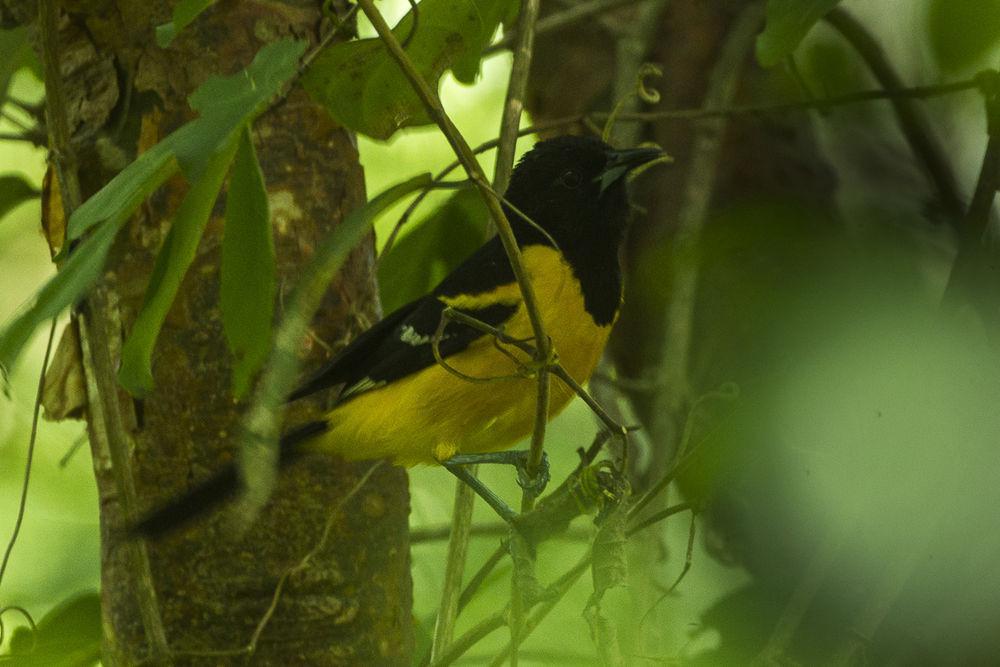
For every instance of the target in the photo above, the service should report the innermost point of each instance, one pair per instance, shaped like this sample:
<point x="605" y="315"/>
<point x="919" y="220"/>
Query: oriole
<point x="569" y="212"/>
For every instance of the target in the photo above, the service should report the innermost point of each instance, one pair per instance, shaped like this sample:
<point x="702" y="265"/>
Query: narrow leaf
<point x="14" y="190"/>
<point x="248" y="267"/>
<point x="80" y="271"/>
<point x="259" y="450"/>
<point x="788" y="22"/>
<point x="226" y="104"/>
<point x="437" y="244"/>
<point x="362" y="86"/>
<point x="117" y="200"/>
<point x="185" y="12"/>
<point x="177" y="253"/>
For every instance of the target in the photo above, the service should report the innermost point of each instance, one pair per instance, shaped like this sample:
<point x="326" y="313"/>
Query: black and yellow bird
<point x="569" y="212"/>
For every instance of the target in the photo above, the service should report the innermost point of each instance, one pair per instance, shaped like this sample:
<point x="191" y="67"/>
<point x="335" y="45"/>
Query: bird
<point x="421" y="388"/>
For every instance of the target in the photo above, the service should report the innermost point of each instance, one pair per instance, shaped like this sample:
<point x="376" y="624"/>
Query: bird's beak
<point x="621" y="162"/>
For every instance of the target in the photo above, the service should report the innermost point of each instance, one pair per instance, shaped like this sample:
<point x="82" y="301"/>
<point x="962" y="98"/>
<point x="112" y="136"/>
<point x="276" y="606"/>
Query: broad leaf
<point x="14" y="190"/>
<point x="436" y="245"/>
<point x="963" y="31"/>
<point x="15" y="53"/>
<point x="68" y="636"/>
<point x="80" y="271"/>
<point x="788" y="22"/>
<point x="248" y="267"/>
<point x="363" y="87"/>
<point x="185" y="12"/>
<point x="177" y="253"/>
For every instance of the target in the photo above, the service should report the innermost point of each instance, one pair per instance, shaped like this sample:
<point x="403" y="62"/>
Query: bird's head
<point x="574" y="188"/>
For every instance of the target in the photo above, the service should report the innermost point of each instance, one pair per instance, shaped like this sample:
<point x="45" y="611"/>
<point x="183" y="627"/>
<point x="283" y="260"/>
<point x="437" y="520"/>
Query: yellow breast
<point x="433" y="414"/>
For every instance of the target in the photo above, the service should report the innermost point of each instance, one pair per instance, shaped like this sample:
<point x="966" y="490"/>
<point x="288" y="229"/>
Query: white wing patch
<point x="409" y="335"/>
<point x="362" y="385"/>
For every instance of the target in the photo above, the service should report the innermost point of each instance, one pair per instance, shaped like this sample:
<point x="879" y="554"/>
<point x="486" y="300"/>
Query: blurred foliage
<point x="68" y="636"/>
<point x="788" y="22"/>
<point x="865" y="428"/>
<point x="963" y="32"/>
<point x="14" y="190"/>
<point x="363" y="87"/>
<point x="436" y="245"/>
<point x="185" y="12"/>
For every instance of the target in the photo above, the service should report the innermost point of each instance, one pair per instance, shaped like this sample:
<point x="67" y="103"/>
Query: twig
<point x="562" y="19"/>
<point x="697" y="198"/>
<point x="468" y="160"/>
<point x="913" y="125"/>
<point x="304" y="563"/>
<point x="65" y="165"/>
<point x="516" y="87"/>
<point x="22" y="503"/>
<point x="497" y="529"/>
<point x="523" y="566"/>
<point x="251" y="646"/>
<point x="656" y="517"/>
<point x="482" y="629"/>
<point x="554" y="594"/>
<point x="458" y="548"/>
<point x="972" y="251"/>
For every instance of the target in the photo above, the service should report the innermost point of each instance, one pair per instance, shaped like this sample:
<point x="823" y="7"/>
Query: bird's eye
<point x="569" y="179"/>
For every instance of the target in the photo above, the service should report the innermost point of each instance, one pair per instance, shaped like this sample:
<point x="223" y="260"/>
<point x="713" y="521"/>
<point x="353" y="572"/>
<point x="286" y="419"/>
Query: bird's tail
<point x="210" y="493"/>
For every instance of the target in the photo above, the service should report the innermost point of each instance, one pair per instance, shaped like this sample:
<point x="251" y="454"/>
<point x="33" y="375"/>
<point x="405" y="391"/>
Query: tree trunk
<point x="199" y="596"/>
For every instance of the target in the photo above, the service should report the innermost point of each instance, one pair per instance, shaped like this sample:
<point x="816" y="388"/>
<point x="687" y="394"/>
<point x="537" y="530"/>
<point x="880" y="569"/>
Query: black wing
<point x="401" y="343"/>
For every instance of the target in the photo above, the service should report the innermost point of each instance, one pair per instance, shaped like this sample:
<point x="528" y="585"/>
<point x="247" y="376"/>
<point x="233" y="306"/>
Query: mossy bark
<point x="201" y="593"/>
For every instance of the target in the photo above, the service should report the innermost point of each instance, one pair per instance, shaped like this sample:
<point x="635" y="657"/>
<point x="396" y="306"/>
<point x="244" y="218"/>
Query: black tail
<point x="209" y="494"/>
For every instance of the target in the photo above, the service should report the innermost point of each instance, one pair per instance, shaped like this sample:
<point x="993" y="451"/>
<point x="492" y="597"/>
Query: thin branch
<point x="458" y="548"/>
<point x="57" y="120"/>
<point x="472" y="168"/>
<point x="554" y="594"/>
<point x="22" y="503"/>
<point x="251" y="646"/>
<point x="699" y="189"/>
<point x="562" y="19"/>
<point x="516" y="87"/>
<point x="701" y="113"/>
<point x="915" y="127"/>
<point x="481" y="630"/>
<point x="656" y="517"/>
<point x="65" y="165"/>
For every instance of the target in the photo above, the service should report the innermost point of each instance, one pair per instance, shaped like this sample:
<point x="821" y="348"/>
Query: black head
<point x="574" y="188"/>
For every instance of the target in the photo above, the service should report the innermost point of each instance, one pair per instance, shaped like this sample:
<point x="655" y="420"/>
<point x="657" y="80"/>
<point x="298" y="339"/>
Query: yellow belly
<point x="433" y="414"/>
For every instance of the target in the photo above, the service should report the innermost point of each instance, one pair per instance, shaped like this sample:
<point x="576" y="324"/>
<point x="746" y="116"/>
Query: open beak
<point x="621" y="162"/>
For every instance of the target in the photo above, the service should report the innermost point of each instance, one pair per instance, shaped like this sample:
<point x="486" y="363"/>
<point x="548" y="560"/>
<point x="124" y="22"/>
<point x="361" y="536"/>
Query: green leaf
<point x="15" y="53"/>
<point x="788" y="22"/>
<point x="436" y="245"/>
<point x="248" y="267"/>
<point x="64" y="289"/>
<point x="177" y="253"/>
<point x="364" y="89"/>
<point x="14" y="190"/>
<point x="185" y="12"/>
<point x="259" y="452"/>
<point x="68" y="636"/>
<point x="963" y="32"/>
<point x="226" y="104"/>
<point x="117" y="200"/>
